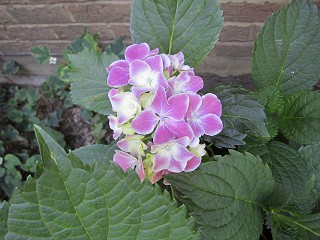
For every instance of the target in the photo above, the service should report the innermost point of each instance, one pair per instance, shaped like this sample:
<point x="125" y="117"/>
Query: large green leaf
<point x="311" y="154"/>
<point x="293" y="177"/>
<point x="97" y="152"/>
<point x="271" y="98"/>
<point x="72" y="200"/>
<point x="306" y="228"/>
<point x="192" y="27"/>
<point x="287" y="50"/>
<point x="241" y="112"/>
<point x="89" y="88"/>
<point x="225" y="196"/>
<point x="300" y="118"/>
<point x="4" y="208"/>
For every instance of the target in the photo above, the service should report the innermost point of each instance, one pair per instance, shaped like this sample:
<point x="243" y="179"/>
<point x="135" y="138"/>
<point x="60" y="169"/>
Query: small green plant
<point x="20" y="110"/>
<point x="22" y="107"/>
<point x="10" y="68"/>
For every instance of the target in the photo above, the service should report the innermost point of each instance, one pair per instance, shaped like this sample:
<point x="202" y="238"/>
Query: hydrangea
<point x="160" y="113"/>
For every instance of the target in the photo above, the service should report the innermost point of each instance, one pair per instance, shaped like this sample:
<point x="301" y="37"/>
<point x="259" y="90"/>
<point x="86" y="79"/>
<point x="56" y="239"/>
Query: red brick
<point x="104" y="33"/>
<point x="14" y="1"/>
<point x="248" y="12"/>
<point x="24" y="47"/>
<point x="239" y="33"/>
<point x="3" y="34"/>
<point x="233" y="50"/>
<point x="107" y="12"/>
<point x="36" y="15"/>
<point x="29" y="33"/>
<point x="121" y="31"/>
<point x="5" y="18"/>
<point x="70" y="32"/>
<point x="55" y="1"/>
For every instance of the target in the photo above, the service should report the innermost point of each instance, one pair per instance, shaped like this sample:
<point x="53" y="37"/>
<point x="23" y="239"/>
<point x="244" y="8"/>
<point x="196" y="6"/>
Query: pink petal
<point x="120" y="63"/>
<point x="178" y="105"/>
<point x="123" y="144"/>
<point x="138" y="67"/>
<point x="195" y="101"/>
<point x="114" y="126"/>
<point x="177" y="166"/>
<point x="137" y="51"/>
<point x="197" y="128"/>
<point x="162" y="134"/>
<point x="181" y="154"/>
<point x="140" y="171"/>
<point x="161" y="162"/>
<point x="192" y="164"/>
<point x="162" y="81"/>
<point x="166" y="60"/>
<point x="184" y="141"/>
<point x="112" y="92"/>
<point x="124" y="160"/>
<point x="174" y="61"/>
<point x="194" y="142"/>
<point x="179" y="128"/>
<point x="194" y="85"/>
<point x="145" y="122"/>
<point x="160" y="103"/>
<point x="211" y="124"/>
<point x="137" y="91"/>
<point x="210" y="104"/>
<point x="180" y="57"/>
<point x="155" y="63"/>
<point x="153" y="52"/>
<point x="118" y="77"/>
<point x="157" y="176"/>
<point x="178" y="84"/>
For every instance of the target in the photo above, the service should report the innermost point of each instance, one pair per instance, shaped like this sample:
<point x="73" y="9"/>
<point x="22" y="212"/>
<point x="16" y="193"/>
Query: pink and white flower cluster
<point x="157" y="108"/>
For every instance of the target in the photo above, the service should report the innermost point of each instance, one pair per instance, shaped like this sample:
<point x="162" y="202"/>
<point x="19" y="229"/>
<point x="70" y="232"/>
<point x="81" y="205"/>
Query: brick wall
<point x="27" y="23"/>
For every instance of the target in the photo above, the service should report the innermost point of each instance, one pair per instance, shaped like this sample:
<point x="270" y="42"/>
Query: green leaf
<point x="293" y="175"/>
<point x="11" y="161"/>
<point x="98" y="152"/>
<point x="10" y="68"/>
<point x="241" y="114"/>
<point x="299" y="120"/>
<point x="227" y="138"/>
<point x="32" y="94"/>
<point x="192" y="27"/>
<point x="85" y="42"/>
<point x="41" y="53"/>
<point x="63" y="72"/>
<point x="72" y="200"/>
<point x="10" y="132"/>
<point x="51" y="120"/>
<point x="89" y="88"/>
<point x="306" y="228"/>
<point x="226" y="196"/>
<point x="117" y="47"/>
<point x="15" y="115"/>
<point x="311" y="154"/>
<point x="271" y="98"/>
<point x="4" y="208"/>
<point x="286" y="51"/>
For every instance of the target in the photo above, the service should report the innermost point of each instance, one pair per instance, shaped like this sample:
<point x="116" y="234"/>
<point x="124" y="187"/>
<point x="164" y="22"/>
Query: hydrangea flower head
<point x="157" y="107"/>
<point x="165" y="117"/>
